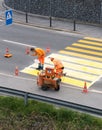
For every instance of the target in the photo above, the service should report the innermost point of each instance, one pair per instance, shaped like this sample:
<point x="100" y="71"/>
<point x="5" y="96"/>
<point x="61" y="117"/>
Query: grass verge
<point x="14" y="115"/>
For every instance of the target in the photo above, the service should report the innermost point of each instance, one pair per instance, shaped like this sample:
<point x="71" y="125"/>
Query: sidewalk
<point x="44" y="22"/>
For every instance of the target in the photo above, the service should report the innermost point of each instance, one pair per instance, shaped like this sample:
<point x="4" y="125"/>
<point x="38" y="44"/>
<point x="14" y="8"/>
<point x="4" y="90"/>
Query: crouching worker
<point x="40" y="53"/>
<point x="58" y="66"/>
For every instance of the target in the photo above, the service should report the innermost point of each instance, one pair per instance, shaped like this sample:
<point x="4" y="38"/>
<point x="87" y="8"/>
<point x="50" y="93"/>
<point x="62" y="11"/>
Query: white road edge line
<point x="14" y="76"/>
<point x="23" y="78"/>
<point x="65" y="85"/>
<point x="18" y="43"/>
<point x="98" y="78"/>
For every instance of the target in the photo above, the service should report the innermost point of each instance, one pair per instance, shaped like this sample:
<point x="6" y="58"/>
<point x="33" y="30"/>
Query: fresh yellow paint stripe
<point x="87" y="46"/>
<point x="30" y="71"/>
<point x="72" y="73"/>
<point x="90" y="42"/>
<point x="66" y="80"/>
<point x="75" y="82"/>
<point x="81" y="55"/>
<point x="95" y="39"/>
<point x="82" y="68"/>
<point x="78" y="60"/>
<point x="84" y="51"/>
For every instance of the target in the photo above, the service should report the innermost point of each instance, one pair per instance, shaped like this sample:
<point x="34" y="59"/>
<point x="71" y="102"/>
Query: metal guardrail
<point x="63" y="103"/>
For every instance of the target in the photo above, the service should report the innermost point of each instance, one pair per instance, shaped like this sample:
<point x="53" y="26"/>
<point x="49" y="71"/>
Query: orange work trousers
<point x="41" y="59"/>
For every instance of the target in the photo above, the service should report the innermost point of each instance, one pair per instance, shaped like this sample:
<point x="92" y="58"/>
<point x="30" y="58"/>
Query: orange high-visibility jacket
<point x="39" y="52"/>
<point x="57" y="64"/>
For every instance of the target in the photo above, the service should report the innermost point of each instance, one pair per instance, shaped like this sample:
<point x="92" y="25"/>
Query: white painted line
<point x="96" y="91"/>
<point x="98" y="78"/>
<point x="64" y="85"/>
<point x="18" y="43"/>
<point x="13" y="76"/>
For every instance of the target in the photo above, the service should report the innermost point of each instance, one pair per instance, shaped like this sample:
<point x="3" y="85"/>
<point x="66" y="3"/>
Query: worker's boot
<point x="39" y="66"/>
<point x="42" y="66"/>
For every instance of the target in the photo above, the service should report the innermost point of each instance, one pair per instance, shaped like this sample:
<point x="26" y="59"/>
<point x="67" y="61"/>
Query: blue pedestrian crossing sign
<point x="8" y="17"/>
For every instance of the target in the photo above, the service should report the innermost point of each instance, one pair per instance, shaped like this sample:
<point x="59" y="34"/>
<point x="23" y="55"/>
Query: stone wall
<point x="82" y="10"/>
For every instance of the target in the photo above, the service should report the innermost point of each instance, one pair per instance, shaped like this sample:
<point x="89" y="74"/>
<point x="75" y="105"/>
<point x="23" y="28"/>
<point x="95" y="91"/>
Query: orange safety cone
<point x="47" y="49"/>
<point x="16" y="71"/>
<point x="27" y="50"/>
<point x="7" y="55"/>
<point x="85" y="88"/>
<point x="7" y="51"/>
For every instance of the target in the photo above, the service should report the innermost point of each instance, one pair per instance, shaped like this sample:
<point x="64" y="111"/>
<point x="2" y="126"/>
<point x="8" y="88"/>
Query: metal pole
<point x="26" y="17"/>
<point x="50" y="21"/>
<point x="74" y="11"/>
<point x="50" y="13"/>
<point x="74" y="29"/>
<point x="25" y="98"/>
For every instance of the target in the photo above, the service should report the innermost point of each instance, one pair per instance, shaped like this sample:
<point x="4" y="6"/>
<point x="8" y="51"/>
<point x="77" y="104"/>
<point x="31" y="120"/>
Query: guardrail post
<point x="25" y="98"/>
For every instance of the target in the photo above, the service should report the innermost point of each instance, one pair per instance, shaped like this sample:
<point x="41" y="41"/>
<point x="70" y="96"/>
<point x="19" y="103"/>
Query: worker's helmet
<point x="32" y="49"/>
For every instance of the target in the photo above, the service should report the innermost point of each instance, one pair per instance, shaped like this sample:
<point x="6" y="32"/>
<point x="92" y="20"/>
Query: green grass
<point x="14" y="115"/>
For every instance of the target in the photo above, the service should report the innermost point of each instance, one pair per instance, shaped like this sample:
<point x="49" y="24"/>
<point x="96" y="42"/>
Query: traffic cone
<point x="7" y="55"/>
<point x="16" y="71"/>
<point x="47" y="49"/>
<point x="27" y="50"/>
<point x="7" y="51"/>
<point x="85" y="88"/>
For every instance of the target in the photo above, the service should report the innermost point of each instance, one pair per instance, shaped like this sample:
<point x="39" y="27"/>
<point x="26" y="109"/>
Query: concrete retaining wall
<point x="82" y="10"/>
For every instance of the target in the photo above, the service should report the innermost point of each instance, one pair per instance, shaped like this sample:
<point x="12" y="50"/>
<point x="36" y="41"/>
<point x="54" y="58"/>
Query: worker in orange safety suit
<point x="40" y="53"/>
<point x="58" y="66"/>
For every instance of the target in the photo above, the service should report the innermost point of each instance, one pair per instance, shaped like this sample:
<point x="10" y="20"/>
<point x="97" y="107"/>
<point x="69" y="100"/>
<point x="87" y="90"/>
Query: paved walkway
<point x="84" y="29"/>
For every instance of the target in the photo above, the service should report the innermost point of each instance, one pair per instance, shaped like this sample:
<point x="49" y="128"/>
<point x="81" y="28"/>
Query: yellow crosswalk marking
<point x="78" y="60"/>
<point x="79" y="65"/>
<point x="84" y="51"/>
<point x="90" y="42"/>
<point x="82" y="68"/>
<point x="67" y="80"/>
<point x="75" y="82"/>
<point x="87" y="46"/>
<point x="30" y="71"/>
<point x="69" y="72"/>
<point x="94" y="39"/>
<point x="81" y="55"/>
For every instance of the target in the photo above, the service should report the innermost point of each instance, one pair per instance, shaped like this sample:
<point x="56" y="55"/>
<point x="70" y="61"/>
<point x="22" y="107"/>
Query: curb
<point x="40" y="26"/>
<point x="49" y="28"/>
<point x="45" y="27"/>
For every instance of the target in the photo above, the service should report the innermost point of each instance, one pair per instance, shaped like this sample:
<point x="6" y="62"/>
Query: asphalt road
<point x="17" y="38"/>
